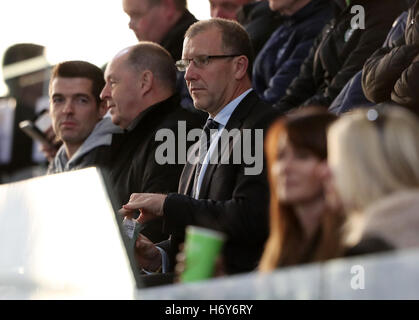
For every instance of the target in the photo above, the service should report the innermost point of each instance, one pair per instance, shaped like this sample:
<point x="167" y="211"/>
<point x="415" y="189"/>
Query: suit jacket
<point x="229" y="201"/>
<point x="133" y="167"/>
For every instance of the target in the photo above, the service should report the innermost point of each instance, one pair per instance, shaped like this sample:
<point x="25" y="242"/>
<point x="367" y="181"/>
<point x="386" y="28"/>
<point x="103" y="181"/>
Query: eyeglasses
<point x="200" y="61"/>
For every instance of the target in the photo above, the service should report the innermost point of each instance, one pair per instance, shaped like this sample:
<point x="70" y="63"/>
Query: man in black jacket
<point x="229" y="196"/>
<point x="340" y="51"/>
<point x="140" y="94"/>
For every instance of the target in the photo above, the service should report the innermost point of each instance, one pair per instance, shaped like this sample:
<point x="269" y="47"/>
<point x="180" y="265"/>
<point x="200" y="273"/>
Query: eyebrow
<point x="76" y="95"/>
<point x="81" y="95"/>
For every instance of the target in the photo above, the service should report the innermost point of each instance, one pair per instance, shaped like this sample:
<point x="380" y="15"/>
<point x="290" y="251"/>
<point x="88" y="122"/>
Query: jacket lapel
<point x="235" y="121"/>
<point x="187" y="178"/>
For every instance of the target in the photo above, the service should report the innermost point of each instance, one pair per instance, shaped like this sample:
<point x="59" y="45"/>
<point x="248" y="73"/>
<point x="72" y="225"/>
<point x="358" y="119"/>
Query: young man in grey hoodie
<point x="77" y="116"/>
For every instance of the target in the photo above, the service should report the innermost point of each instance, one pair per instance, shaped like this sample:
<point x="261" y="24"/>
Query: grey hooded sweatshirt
<point x="93" y="152"/>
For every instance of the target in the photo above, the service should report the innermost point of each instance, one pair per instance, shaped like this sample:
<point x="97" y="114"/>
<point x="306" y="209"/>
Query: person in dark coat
<point x="255" y="16"/>
<point x="280" y="60"/>
<point x="340" y="51"/>
<point x="163" y="22"/>
<point x="140" y="92"/>
<point x="259" y="21"/>
<point x="220" y="195"/>
<point x="352" y="94"/>
<point x="391" y="74"/>
<point x="226" y="9"/>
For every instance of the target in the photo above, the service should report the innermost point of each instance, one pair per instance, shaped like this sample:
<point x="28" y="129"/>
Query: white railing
<point x="393" y="275"/>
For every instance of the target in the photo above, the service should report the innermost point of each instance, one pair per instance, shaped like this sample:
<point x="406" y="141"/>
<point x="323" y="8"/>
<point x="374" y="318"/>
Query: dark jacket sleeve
<point x="352" y="94"/>
<point x="287" y="71"/>
<point x="372" y="37"/>
<point x="405" y="90"/>
<point x="303" y="86"/>
<point x="241" y="218"/>
<point x="243" y="199"/>
<point x="350" y="97"/>
<point x="383" y="69"/>
<point x="386" y="65"/>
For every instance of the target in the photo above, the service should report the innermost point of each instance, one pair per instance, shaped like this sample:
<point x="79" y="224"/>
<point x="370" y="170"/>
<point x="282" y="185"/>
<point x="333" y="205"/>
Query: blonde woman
<point x="374" y="160"/>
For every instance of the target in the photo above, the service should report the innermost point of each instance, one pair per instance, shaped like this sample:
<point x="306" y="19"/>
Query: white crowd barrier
<point x="59" y="239"/>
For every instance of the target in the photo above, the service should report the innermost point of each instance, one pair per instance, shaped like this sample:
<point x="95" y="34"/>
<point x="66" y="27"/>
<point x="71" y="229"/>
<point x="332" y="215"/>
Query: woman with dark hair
<point x="302" y="227"/>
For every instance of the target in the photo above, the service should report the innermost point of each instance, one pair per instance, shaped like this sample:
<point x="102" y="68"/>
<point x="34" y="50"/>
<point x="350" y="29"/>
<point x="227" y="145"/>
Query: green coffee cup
<point x="202" y="247"/>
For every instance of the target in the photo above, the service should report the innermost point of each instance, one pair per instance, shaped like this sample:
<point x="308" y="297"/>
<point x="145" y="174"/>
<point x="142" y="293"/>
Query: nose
<point x="130" y="24"/>
<point x="105" y="93"/>
<point x="68" y="107"/>
<point x="191" y="72"/>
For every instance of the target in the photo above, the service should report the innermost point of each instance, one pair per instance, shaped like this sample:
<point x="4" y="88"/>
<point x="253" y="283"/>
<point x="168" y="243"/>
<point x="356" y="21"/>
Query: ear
<point x="146" y="80"/>
<point x="240" y="67"/>
<point x="102" y="108"/>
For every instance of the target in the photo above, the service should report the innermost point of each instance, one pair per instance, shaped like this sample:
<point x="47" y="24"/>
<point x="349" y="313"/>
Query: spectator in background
<point x="280" y="60"/>
<point x="226" y="9"/>
<point x="77" y="116"/>
<point x="140" y="92"/>
<point x="352" y="94"/>
<point x="391" y="74"/>
<point x="373" y="160"/>
<point x="255" y="16"/>
<point x="302" y="227"/>
<point x="164" y="22"/>
<point x="25" y="71"/>
<point x="340" y="51"/>
<point x="259" y="21"/>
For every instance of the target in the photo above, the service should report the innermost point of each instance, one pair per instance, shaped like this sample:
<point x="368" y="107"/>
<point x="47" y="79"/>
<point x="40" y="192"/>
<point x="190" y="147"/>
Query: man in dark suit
<point x="216" y="189"/>
<point x="140" y="92"/>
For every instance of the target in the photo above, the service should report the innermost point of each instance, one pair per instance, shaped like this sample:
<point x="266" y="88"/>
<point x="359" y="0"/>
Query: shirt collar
<point x="224" y="115"/>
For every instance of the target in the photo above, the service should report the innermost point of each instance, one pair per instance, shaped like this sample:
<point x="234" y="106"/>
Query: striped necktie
<point x="204" y="144"/>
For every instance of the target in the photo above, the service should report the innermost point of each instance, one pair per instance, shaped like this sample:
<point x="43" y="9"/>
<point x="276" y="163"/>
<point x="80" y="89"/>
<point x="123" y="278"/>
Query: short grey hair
<point x="151" y="56"/>
<point x="235" y="39"/>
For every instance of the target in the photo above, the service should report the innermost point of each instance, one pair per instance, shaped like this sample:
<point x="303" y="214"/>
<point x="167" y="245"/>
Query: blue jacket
<point x="278" y="63"/>
<point x="352" y="94"/>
